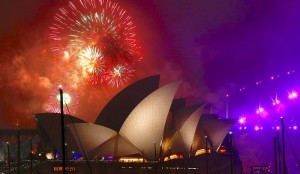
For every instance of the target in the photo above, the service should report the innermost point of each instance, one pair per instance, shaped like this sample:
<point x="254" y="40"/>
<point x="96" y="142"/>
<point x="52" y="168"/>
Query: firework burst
<point x="70" y="97"/>
<point x="97" y="34"/>
<point x="119" y="74"/>
<point x="92" y="63"/>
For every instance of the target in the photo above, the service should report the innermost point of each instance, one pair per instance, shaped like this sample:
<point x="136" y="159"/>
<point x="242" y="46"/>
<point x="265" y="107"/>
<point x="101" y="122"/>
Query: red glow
<point x="94" y="37"/>
<point x="119" y="74"/>
<point x="71" y="100"/>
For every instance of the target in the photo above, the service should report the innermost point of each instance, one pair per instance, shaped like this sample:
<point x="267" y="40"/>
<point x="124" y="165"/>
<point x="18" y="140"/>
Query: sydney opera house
<point x="142" y="127"/>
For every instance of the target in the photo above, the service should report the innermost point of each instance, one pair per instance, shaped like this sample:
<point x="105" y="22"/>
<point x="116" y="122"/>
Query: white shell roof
<point x="145" y="124"/>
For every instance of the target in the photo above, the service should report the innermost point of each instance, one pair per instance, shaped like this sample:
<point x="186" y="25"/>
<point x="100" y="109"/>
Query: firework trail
<point x="97" y="37"/>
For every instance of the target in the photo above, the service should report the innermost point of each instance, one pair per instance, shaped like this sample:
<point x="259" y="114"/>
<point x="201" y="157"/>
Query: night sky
<point x="214" y="47"/>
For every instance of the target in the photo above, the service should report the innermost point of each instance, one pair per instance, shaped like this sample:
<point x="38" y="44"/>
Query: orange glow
<point x="201" y="151"/>
<point x="222" y="150"/>
<point x="50" y="156"/>
<point x="66" y="55"/>
<point x="131" y="160"/>
<point x="134" y="158"/>
<point x="34" y="149"/>
<point x="173" y="156"/>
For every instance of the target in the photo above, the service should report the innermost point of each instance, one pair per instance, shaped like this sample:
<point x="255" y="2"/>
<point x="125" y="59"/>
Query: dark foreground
<point x="217" y="164"/>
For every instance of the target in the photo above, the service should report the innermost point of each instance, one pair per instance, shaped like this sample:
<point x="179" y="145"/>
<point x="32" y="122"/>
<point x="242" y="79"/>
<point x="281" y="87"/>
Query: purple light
<point x="276" y="102"/>
<point x="260" y="110"/>
<point x="242" y="120"/>
<point x="76" y="156"/>
<point x="277" y="127"/>
<point x="258" y="82"/>
<point x="256" y="128"/>
<point x="295" y="127"/>
<point x="272" y="77"/>
<point x="242" y="89"/>
<point x="110" y="157"/>
<point x="293" y="95"/>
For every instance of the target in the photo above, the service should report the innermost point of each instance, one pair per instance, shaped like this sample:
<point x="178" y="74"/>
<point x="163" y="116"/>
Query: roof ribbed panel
<point x="116" y="146"/>
<point x="89" y="136"/>
<point x="188" y="129"/>
<point x="119" y="107"/>
<point x="145" y="124"/>
<point x="182" y="140"/>
<point x="217" y="129"/>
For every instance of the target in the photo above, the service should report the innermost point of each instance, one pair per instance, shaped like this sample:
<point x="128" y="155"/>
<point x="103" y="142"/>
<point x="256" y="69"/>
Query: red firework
<point x="96" y="34"/>
<point x="93" y="64"/>
<point x="119" y="74"/>
<point x="70" y="97"/>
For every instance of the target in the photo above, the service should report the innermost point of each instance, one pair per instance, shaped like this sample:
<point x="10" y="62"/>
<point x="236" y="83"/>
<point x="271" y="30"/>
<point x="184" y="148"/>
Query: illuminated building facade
<point x="151" y="123"/>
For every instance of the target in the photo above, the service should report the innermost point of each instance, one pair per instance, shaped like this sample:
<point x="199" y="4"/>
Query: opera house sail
<point x="150" y="126"/>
